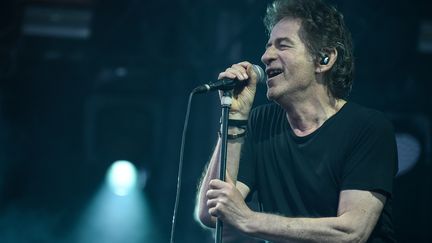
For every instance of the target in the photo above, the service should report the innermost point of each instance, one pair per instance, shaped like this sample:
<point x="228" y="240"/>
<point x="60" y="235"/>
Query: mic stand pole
<point x="226" y="101"/>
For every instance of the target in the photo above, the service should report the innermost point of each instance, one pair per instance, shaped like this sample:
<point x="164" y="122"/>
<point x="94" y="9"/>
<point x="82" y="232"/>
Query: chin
<point x="271" y="95"/>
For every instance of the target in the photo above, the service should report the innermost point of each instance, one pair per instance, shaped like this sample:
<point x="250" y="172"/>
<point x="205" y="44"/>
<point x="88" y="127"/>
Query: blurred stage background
<point x="85" y="83"/>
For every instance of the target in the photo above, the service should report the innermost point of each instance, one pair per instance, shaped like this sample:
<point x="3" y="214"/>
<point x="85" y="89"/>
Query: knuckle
<point x="232" y="70"/>
<point x="212" y="183"/>
<point x="217" y="207"/>
<point x="223" y="200"/>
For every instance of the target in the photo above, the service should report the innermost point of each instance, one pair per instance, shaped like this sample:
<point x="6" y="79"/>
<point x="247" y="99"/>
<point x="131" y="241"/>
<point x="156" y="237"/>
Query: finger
<point x="226" y="74"/>
<point x="213" y="211"/>
<point x="212" y="194"/>
<point x="234" y="73"/>
<point x="253" y="75"/>
<point x="241" y="69"/>
<point x="216" y="184"/>
<point x="249" y="67"/>
<point x="212" y="203"/>
<point x="245" y="64"/>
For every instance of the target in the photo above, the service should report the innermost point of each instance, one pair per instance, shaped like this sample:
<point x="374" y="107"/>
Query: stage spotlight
<point x="122" y="177"/>
<point x="413" y="140"/>
<point x="409" y="149"/>
<point x="412" y="197"/>
<point x="109" y="218"/>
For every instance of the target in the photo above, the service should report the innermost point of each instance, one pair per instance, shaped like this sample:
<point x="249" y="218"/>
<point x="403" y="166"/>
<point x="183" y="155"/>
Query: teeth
<point x="274" y="72"/>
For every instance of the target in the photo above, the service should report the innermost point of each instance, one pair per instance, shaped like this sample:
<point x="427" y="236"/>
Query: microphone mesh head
<point x="260" y="73"/>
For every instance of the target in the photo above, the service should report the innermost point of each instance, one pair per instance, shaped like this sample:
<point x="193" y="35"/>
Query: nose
<point x="268" y="55"/>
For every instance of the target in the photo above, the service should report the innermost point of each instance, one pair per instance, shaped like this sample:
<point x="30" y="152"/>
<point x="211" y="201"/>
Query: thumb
<point x="228" y="178"/>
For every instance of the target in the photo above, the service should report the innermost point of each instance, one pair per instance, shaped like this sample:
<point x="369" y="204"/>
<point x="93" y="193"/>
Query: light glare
<point x="409" y="150"/>
<point x="122" y="177"/>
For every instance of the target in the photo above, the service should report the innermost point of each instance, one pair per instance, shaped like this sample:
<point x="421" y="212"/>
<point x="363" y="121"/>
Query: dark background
<point x="69" y="107"/>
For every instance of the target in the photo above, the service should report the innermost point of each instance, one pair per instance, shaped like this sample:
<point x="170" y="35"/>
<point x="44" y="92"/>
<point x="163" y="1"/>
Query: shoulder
<point x="365" y="125"/>
<point x="365" y="118"/>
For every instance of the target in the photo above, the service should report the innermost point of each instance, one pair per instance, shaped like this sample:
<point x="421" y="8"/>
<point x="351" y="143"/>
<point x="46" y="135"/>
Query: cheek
<point x="303" y="67"/>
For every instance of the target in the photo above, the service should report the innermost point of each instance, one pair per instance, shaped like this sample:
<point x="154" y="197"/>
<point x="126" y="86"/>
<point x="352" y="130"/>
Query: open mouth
<point x="273" y="72"/>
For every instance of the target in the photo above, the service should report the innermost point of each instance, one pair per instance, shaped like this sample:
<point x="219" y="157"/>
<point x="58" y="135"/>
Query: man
<point x="323" y="167"/>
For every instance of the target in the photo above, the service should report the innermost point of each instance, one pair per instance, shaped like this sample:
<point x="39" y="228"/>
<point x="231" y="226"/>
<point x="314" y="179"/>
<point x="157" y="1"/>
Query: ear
<point x="326" y="61"/>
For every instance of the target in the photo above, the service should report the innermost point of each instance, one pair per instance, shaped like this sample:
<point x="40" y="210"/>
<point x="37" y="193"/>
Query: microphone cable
<point x="180" y="169"/>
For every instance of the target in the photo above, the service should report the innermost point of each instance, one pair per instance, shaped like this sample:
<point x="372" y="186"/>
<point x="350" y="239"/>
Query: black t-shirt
<point x="303" y="176"/>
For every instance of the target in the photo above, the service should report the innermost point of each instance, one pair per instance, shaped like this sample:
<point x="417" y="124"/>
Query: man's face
<point x="289" y="66"/>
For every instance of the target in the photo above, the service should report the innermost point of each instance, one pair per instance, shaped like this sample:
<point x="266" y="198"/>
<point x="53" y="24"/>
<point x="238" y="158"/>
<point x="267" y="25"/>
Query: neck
<point x="306" y="114"/>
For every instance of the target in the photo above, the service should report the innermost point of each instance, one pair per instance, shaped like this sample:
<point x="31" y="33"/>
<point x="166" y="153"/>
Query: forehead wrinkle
<point x="288" y="29"/>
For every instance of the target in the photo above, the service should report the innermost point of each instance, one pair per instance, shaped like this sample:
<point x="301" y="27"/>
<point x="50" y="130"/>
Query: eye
<point x="284" y="45"/>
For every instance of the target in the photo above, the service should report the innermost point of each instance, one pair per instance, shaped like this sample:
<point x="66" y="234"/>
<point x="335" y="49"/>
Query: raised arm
<point x="240" y="108"/>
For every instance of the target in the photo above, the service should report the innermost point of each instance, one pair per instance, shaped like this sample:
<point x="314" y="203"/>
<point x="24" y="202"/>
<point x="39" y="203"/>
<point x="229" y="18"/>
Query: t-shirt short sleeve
<point x="372" y="163"/>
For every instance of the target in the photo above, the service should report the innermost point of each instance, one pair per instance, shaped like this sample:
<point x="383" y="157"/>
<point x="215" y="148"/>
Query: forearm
<point x="277" y="228"/>
<point x="212" y="172"/>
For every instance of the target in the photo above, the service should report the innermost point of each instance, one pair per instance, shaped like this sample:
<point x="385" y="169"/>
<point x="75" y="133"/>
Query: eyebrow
<point x="280" y="39"/>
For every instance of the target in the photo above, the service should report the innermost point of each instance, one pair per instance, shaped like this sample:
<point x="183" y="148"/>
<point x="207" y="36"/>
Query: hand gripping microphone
<point x="227" y="84"/>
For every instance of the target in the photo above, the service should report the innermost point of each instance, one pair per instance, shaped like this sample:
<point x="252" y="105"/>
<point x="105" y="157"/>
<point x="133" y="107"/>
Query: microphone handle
<point x="223" y="84"/>
<point x="227" y="84"/>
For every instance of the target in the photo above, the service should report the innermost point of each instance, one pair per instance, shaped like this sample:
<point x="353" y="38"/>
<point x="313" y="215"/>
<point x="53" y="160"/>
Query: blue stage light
<point x="122" y="177"/>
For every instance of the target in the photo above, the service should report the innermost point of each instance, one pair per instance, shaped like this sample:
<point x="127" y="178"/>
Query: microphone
<point x="227" y="84"/>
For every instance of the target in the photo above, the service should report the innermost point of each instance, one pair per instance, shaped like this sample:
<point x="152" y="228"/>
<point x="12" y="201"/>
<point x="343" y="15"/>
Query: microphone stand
<point x="226" y="101"/>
